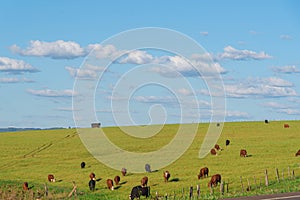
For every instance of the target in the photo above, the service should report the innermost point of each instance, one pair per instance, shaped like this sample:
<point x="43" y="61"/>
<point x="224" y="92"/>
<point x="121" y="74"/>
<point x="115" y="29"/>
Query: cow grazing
<point x="243" y="153"/>
<point x="217" y="147"/>
<point x="147" y="168"/>
<point x="25" y="186"/>
<point x="286" y="126"/>
<point x="124" y="171"/>
<point x="144" y="181"/>
<point x="213" y="152"/>
<point x="227" y="142"/>
<point x="203" y="172"/>
<point x="298" y="153"/>
<point x="92" y="176"/>
<point x="51" y="178"/>
<point x="92" y="184"/>
<point x="266" y="121"/>
<point x="82" y="165"/>
<point x="167" y="176"/>
<point x="110" y="184"/>
<point x="215" y="179"/>
<point x="117" y="180"/>
<point x="138" y="191"/>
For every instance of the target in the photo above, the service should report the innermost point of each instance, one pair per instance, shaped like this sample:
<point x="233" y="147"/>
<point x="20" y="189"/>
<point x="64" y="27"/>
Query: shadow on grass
<point x="174" y="180"/>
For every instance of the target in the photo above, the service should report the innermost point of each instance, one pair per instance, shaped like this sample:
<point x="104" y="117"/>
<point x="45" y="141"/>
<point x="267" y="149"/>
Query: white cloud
<point x="274" y="105"/>
<point x="235" y="54"/>
<point x="15" y="80"/>
<point x="289" y="69"/>
<point x="15" y="66"/>
<point x="204" y="33"/>
<point x="289" y="111"/>
<point x="156" y="99"/>
<point x="237" y="114"/>
<point x="185" y="92"/>
<point x="286" y="37"/>
<point x="275" y="81"/>
<point x="51" y="93"/>
<point x="89" y="72"/>
<point x="137" y="57"/>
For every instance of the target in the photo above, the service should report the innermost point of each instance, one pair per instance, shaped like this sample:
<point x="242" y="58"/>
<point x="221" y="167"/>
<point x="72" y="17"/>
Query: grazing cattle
<point x="82" y="165"/>
<point x="124" y="171"/>
<point x="147" y="168"/>
<point x="266" y="121"/>
<point x="138" y="191"/>
<point x="167" y="176"/>
<point x="215" y="179"/>
<point x="243" y="153"/>
<point x="213" y="152"/>
<point x="92" y="184"/>
<point x="144" y="181"/>
<point x="51" y="178"/>
<point x="25" y="186"/>
<point x="117" y="180"/>
<point x="227" y="142"/>
<point x="286" y="126"/>
<point x="110" y="184"/>
<point x="203" y="172"/>
<point x="217" y="147"/>
<point x="92" y="176"/>
<point x="298" y="153"/>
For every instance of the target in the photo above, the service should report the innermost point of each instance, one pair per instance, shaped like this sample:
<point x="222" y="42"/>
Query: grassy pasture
<point x="31" y="155"/>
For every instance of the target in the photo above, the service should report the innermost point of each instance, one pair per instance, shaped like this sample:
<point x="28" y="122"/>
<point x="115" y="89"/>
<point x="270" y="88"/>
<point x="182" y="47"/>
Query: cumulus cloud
<point x="235" y="54"/>
<point x="289" y="111"/>
<point x="89" y="72"/>
<point x="274" y="105"/>
<point x="204" y="33"/>
<point x="237" y="114"/>
<point x="15" y="66"/>
<point x="51" y="93"/>
<point x="156" y="99"/>
<point x="137" y="57"/>
<point x="286" y="37"/>
<point x="15" y="80"/>
<point x="289" y="69"/>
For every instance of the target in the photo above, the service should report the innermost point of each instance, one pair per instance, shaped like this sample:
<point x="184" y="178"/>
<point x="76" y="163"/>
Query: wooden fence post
<point x="73" y="190"/>
<point x="191" y="192"/>
<point x="242" y="183"/>
<point x="255" y="182"/>
<point x="46" y="189"/>
<point x="227" y="187"/>
<point x="266" y="178"/>
<point x="249" y="186"/>
<point x="289" y="173"/>
<point x="293" y="174"/>
<point x="277" y="175"/>
<point x="283" y="174"/>
<point x="222" y="188"/>
<point x="198" y="191"/>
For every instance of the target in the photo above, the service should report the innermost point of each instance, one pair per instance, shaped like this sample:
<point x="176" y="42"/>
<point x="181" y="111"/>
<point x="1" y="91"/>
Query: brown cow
<point x="286" y="126"/>
<point x="203" y="172"/>
<point x="243" y="153"/>
<point x="144" y="181"/>
<point x="124" y="171"/>
<point x="110" y="184"/>
<point x="217" y="147"/>
<point x="25" y="186"/>
<point x="51" y="178"/>
<point x="215" y="179"/>
<point x="117" y="180"/>
<point x="167" y="176"/>
<point x="298" y="153"/>
<point x="92" y="176"/>
<point x="213" y="152"/>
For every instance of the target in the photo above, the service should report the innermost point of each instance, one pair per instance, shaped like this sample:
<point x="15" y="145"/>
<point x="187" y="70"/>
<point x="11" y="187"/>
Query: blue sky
<point x="44" y="43"/>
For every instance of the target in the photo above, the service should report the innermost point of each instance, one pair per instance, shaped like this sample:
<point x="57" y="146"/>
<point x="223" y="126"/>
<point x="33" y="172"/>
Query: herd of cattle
<point x="143" y="189"/>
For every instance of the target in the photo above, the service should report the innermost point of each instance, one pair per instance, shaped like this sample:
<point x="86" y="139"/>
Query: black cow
<point x="147" y="168"/>
<point x="92" y="184"/>
<point x="138" y="191"/>
<point x="82" y="165"/>
<point x="227" y="142"/>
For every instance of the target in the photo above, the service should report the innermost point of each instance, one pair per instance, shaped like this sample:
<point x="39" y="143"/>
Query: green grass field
<point x="31" y="155"/>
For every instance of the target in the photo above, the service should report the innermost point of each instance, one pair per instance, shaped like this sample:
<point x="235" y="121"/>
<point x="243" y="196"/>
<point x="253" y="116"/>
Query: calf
<point x="124" y="171"/>
<point x="167" y="176"/>
<point x="243" y="153"/>
<point x="227" y="142"/>
<point x="92" y="184"/>
<point x="215" y="179"/>
<point x="25" y="186"/>
<point x="298" y="153"/>
<point x="51" y="178"/>
<point x="138" y="191"/>
<point x="144" y="181"/>
<point x="117" y="180"/>
<point x="82" y="165"/>
<point x="92" y="176"/>
<point x="110" y="184"/>
<point x="203" y="172"/>
<point x="213" y="152"/>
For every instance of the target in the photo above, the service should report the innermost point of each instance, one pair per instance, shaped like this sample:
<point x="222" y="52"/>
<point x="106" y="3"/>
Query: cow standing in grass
<point x="144" y="181"/>
<point x="203" y="172"/>
<point x="117" y="180"/>
<point x="110" y="184"/>
<point x="92" y="176"/>
<point x="213" y="152"/>
<point x="215" y="179"/>
<point x="124" y="171"/>
<point x="166" y="176"/>
<point x="92" y="185"/>
<point x="51" y="178"/>
<point x="227" y="142"/>
<point x="25" y="186"/>
<point x="243" y="153"/>
<point x="298" y="153"/>
<point x="139" y="191"/>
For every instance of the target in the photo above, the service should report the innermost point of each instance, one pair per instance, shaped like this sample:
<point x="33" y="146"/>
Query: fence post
<point x="227" y="187"/>
<point x="156" y="195"/>
<point x="242" y="183"/>
<point x="255" y="182"/>
<point x="293" y="174"/>
<point x="46" y="189"/>
<point x="277" y="175"/>
<point x="249" y="186"/>
<point x="266" y="178"/>
<point x="198" y="191"/>
<point x="283" y="174"/>
<point x="191" y="192"/>
<point x="289" y="173"/>
<point x="222" y="187"/>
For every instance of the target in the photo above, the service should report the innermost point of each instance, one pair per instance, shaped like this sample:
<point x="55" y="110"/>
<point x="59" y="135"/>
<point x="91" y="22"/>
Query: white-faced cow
<point x="243" y="153"/>
<point x="167" y="176"/>
<point x="110" y="184"/>
<point x="51" y="178"/>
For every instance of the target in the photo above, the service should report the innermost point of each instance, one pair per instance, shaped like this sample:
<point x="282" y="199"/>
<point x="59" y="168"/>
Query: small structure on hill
<point x="96" y="125"/>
